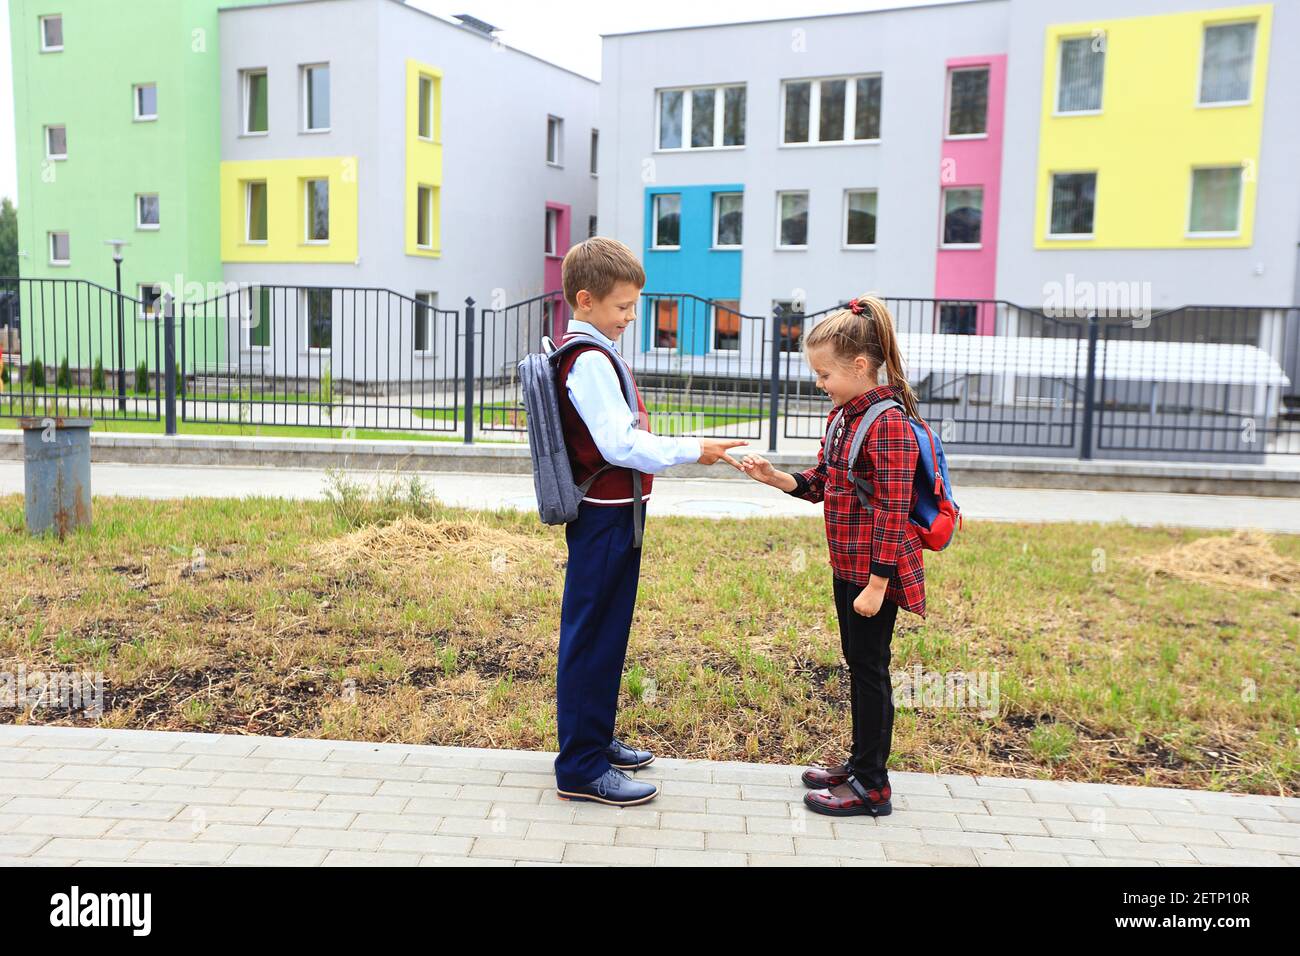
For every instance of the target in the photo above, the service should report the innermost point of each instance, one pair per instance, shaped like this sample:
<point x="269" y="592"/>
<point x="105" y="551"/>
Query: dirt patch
<point x="411" y="541"/>
<point x="1245" y="559"/>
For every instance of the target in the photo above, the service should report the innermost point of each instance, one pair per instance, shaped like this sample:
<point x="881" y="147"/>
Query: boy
<point x="602" y="283"/>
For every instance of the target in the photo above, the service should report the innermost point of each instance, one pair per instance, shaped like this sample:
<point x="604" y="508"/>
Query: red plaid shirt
<point x="884" y="543"/>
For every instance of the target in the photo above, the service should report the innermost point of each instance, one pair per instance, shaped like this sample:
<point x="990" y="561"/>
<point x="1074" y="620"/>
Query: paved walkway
<point x="94" y="797"/>
<point x="703" y="497"/>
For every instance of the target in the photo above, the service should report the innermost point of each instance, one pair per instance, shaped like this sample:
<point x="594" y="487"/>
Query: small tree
<point x="36" y="373"/>
<point x="180" y="380"/>
<point x="97" y="375"/>
<point x="63" y="379"/>
<point x="142" y="378"/>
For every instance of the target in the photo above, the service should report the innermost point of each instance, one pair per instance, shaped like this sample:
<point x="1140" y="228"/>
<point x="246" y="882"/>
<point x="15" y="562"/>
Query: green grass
<point x="666" y="418"/>
<point x="327" y="619"/>
<point x="134" y="426"/>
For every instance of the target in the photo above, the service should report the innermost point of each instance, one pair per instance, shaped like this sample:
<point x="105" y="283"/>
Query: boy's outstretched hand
<point x="715" y="449"/>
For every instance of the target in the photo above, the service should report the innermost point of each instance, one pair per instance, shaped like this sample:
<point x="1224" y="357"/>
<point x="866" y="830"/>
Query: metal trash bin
<point x="56" y="472"/>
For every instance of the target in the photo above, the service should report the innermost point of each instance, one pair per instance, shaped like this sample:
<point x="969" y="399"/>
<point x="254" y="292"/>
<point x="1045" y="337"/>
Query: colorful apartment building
<point x="337" y="144"/>
<point x="985" y="150"/>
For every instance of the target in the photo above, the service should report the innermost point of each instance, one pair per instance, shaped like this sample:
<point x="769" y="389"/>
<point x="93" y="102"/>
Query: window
<point x="316" y="98"/>
<point x="1073" y="203"/>
<point x="1227" y="61"/>
<point x="1078" y="83"/>
<point x="146" y="101"/>
<point x="968" y="102"/>
<point x="667" y="221"/>
<point x="726" y="324"/>
<point x="713" y="115"/>
<point x="595" y="144"/>
<point x="255" y="213"/>
<point x="665" y="325"/>
<point x="60" y="249"/>
<point x="56" y="142"/>
<point x="791" y="330"/>
<point x="792" y="216"/>
<point x="255" y="115"/>
<point x="425" y="303"/>
<point x="426" y="125"/>
<point x="317" y="205"/>
<point x="957" y="319"/>
<point x="258" y="324"/>
<point x="860" y="217"/>
<point x="1216" y="201"/>
<point x="151" y="304"/>
<point x="318" y="312"/>
<point x="552" y="232"/>
<point x="424" y="217"/>
<point x="963" y="209"/>
<point x="147" y="213"/>
<point x="591" y="226"/>
<point x="548" y="318"/>
<point x="52" y="33"/>
<point x="831" y="110"/>
<point x="728" y="219"/>
<point x="554" y="140"/>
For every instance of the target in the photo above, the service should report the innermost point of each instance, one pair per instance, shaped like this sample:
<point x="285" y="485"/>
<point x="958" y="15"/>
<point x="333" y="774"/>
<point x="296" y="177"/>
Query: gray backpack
<point x="558" y="497"/>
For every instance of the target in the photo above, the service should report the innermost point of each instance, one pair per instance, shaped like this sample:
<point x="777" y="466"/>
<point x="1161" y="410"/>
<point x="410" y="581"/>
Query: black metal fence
<point x="1195" y="383"/>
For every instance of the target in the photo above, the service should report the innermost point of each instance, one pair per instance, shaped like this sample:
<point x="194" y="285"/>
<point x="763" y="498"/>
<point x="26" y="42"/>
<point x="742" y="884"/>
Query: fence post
<point x="469" y="370"/>
<point x="1085" y="450"/>
<point x="774" y="385"/>
<point x="169" y="356"/>
<point x="121" y="337"/>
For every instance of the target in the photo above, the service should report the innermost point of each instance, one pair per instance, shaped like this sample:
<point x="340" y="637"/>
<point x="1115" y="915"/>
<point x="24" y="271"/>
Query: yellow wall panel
<point x="286" y="232"/>
<point x="423" y="159"/>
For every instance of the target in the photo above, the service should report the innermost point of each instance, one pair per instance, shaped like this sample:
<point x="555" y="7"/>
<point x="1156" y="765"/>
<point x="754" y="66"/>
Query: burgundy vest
<point x="614" y="486"/>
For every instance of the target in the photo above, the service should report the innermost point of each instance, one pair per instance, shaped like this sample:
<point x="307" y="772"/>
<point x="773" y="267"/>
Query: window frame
<point x="144" y="315"/>
<point x="943" y="217"/>
<point x="807" y="193"/>
<point x="654" y="302"/>
<point x="431" y="305"/>
<point x="717" y="221"/>
<point x="246" y="82"/>
<point x="425" y="205"/>
<point x="1056" y="94"/>
<point x="713" y="325"/>
<point x="136" y="115"/>
<point x="654" y="222"/>
<point x="552" y="238"/>
<point x="719" y="117"/>
<point x="247" y="339"/>
<point x="1200" y="64"/>
<point x="304" y="104"/>
<point x="431" y="113"/>
<point x="984" y="68"/>
<point x="1191" y="194"/>
<point x="248" y="211"/>
<point x="796" y="341"/>
<point x="844" y="236"/>
<point x="307" y="210"/>
<point x="305" y="346"/>
<point x="557" y="122"/>
<point x="56" y="157"/>
<point x="140" y="224"/>
<point x="1051" y="188"/>
<point x="595" y="148"/>
<point x="50" y="242"/>
<point x="41" y="20"/>
<point x="815" y="109"/>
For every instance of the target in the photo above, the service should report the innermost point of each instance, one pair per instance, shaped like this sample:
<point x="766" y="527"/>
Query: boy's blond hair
<point x="597" y="265"/>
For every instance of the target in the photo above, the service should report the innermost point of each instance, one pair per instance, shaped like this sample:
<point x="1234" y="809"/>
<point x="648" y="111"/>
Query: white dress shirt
<point x="598" y="396"/>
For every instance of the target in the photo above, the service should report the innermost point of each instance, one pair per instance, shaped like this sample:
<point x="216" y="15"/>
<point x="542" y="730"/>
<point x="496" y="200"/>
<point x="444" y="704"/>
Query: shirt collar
<point x="861" y="402"/>
<point x="578" y="325"/>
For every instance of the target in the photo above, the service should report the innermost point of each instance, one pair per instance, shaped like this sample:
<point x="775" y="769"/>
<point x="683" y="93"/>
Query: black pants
<point x="865" y="641"/>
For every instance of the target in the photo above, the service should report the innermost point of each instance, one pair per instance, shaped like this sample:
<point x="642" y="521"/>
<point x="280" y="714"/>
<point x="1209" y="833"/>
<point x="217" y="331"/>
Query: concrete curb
<point x="426" y="456"/>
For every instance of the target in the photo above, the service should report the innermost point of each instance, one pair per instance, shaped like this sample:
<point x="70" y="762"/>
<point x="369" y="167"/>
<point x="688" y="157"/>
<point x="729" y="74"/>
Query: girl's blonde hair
<point x="865" y="327"/>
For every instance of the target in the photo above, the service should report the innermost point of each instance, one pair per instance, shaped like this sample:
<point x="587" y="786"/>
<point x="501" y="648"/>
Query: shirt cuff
<point x="691" y="451"/>
<point x="884" y="570"/>
<point x="800" y="485"/>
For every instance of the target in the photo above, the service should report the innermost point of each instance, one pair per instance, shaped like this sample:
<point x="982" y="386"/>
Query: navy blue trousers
<point x="600" y="585"/>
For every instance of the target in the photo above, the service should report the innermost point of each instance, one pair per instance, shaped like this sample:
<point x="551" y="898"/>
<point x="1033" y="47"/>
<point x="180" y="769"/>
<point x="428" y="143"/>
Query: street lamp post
<point x="117" y="245"/>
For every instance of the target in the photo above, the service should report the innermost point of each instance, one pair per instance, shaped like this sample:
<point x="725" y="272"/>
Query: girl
<point x="875" y="555"/>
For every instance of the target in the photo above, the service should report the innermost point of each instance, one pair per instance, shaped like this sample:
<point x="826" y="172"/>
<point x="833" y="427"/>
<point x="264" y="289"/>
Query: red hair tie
<point x="857" y="307"/>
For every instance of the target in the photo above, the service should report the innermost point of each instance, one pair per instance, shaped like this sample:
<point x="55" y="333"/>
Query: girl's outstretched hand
<point x="758" y="468"/>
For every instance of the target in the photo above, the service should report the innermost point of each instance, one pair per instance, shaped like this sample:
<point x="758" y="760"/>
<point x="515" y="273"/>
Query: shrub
<point x="142" y="378"/>
<point x="36" y="373"/>
<point x="64" y="377"/>
<point x="97" y="375"/>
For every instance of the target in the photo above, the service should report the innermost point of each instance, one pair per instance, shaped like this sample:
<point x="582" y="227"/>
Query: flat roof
<point x="455" y="24"/>
<point x="815" y="16"/>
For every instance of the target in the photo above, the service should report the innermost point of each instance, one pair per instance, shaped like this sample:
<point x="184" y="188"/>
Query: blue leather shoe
<point x="615" y="788"/>
<point x="623" y="757"/>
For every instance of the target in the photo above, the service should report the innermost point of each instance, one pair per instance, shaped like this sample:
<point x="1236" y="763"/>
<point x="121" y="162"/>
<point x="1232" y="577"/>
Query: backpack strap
<point x="582" y="340"/>
<point x="874" y="411"/>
